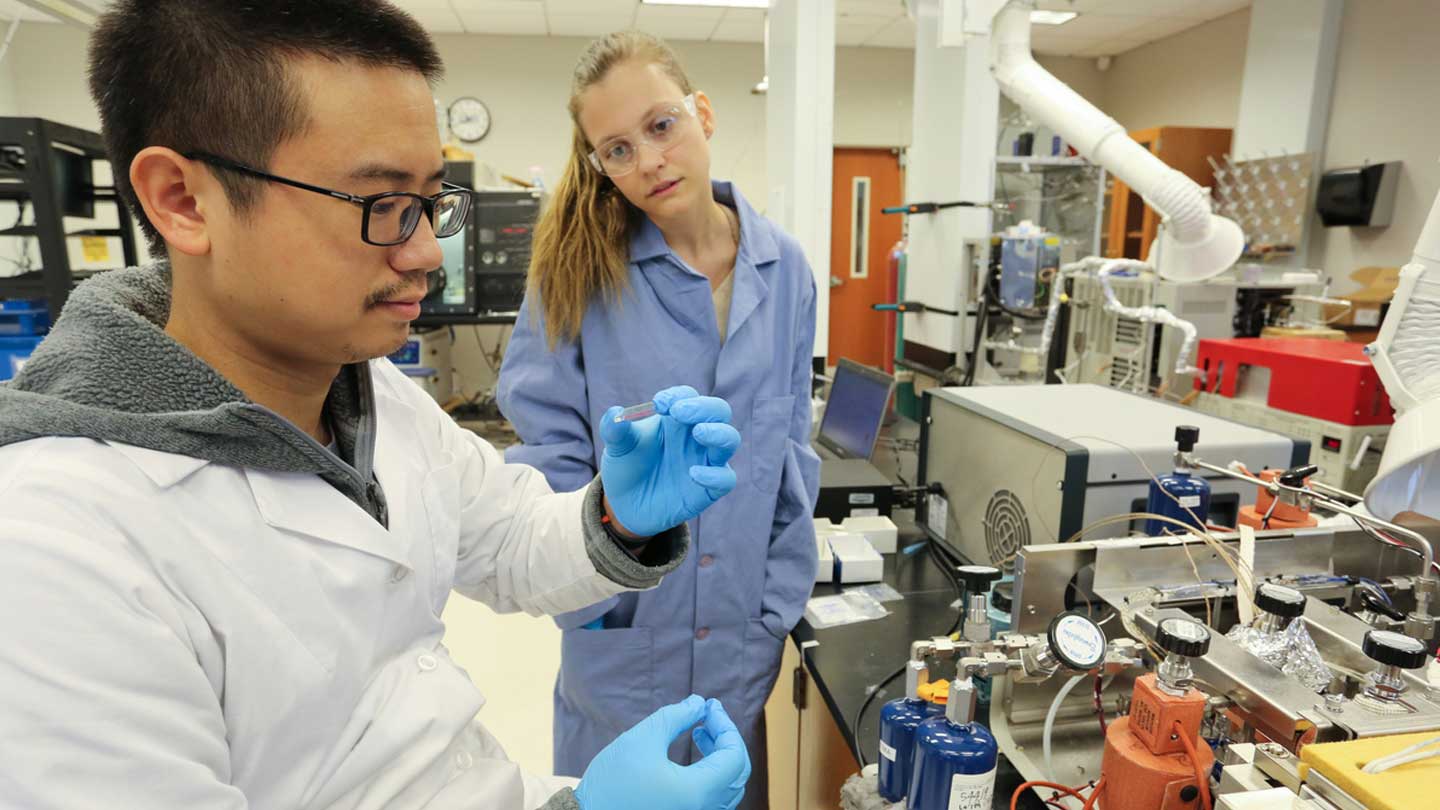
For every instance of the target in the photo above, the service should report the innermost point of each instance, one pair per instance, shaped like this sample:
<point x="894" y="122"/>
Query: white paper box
<point x="878" y="529"/>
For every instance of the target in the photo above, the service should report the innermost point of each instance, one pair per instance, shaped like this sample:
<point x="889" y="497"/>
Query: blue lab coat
<point x="716" y="626"/>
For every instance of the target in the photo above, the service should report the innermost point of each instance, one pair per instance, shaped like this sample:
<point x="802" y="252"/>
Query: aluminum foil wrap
<point x="1291" y="651"/>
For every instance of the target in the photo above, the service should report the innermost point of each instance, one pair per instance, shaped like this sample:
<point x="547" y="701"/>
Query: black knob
<point x="1186" y="436"/>
<point x="1185" y="637"/>
<point x="1295" y="476"/>
<point x="1394" y="649"/>
<point x="1003" y="597"/>
<point x="977" y="578"/>
<point x="1287" y="603"/>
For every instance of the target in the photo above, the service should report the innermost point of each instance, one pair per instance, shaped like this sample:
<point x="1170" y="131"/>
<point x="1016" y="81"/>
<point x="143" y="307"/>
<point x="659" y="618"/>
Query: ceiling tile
<point x="620" y="7"/>
<point x="441" y="20"/>
<point x="584" y="25"/>
<point x="514" y="6"/>
<point x="504" y="22"/>
<point x="678" y="22"/>
<point x="1095" y="26"/>
<point x="1078" y="6"/>
<point x="1192" y="9"/>
<point x="13" y="10"/>
<point x="464" y="6"/>
<point x="1159" y="28"/>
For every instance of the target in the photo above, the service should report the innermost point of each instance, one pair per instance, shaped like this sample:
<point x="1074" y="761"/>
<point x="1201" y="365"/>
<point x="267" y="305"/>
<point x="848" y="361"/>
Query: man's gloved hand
<point x="635" y="771"/>
<point x="665" y="469"/>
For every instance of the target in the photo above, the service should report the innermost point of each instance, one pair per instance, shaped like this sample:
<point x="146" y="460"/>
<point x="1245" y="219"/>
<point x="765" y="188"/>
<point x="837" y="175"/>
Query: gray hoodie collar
<point x="109" y="372"/>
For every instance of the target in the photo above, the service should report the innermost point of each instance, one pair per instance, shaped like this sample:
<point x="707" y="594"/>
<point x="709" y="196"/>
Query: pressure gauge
<point x="469" y="119"/>
<point x="1077" y="642"/>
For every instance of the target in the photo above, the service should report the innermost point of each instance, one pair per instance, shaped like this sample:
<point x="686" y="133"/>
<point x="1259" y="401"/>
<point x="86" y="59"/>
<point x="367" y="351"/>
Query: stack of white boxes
<point x="850" y="552"/>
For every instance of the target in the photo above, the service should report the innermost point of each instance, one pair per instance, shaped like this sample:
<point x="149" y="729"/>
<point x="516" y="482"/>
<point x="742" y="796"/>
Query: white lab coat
<point x="181" y="634"/>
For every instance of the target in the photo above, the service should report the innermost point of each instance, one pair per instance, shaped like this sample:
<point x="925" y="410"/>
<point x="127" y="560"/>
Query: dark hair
<point x="210" y="75"/>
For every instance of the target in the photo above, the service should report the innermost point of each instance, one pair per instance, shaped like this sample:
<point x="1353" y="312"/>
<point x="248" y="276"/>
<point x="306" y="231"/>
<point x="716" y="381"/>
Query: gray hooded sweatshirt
<point x="109" y="372"/>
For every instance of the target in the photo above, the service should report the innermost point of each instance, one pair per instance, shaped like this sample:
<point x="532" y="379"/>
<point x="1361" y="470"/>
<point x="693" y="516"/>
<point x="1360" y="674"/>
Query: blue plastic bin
<point x="24" y="318"/>
<point x="13" y="353"/>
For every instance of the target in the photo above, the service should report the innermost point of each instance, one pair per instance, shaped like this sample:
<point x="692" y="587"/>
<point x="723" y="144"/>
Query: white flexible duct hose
<point x="1196" y="245"/>
<point x="1407" y="359"/>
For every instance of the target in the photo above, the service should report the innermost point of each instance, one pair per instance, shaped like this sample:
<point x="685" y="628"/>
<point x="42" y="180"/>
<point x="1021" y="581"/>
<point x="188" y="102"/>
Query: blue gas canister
<point x="1181" y="495"/>
<point x="898" y="720"/>
<point x="955" y="758"/>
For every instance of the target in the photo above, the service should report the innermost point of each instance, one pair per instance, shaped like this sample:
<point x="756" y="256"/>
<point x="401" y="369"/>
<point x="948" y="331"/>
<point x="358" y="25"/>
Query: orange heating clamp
<point x="1153" y="757"/>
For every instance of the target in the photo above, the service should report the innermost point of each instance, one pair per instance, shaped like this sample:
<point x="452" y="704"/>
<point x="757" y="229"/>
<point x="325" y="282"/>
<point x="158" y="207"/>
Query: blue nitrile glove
<point x="665" y="469"/>
<point x="635" y="771"/>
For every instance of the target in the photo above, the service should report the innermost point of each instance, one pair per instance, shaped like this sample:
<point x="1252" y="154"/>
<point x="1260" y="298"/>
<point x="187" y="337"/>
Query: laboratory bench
<point x="826" y="675"/>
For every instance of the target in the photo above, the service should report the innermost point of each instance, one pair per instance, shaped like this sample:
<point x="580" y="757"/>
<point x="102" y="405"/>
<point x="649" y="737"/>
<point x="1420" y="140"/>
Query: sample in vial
<point x="635" y="413"/>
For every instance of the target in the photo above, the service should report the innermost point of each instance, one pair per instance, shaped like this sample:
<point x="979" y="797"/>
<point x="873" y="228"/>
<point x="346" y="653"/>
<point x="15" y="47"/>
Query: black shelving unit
<point x="48" y="150"/>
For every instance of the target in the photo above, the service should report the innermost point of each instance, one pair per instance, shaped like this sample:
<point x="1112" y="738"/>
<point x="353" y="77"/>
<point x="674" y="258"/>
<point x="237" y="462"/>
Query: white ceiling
<point x="1104" y="27"/>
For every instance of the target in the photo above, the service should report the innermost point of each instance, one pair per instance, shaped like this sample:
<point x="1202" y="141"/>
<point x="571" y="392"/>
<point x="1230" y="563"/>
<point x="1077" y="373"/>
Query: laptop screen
<point x="855" y="409"/>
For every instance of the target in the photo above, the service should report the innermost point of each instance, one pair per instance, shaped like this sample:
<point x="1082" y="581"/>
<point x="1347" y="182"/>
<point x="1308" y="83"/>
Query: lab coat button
<point x="707" y="561"/>
<point x="703" y="633"/>
<point x="464" y="760"/>
<point x="399" y="573"/>
<point x="427" y="662"/>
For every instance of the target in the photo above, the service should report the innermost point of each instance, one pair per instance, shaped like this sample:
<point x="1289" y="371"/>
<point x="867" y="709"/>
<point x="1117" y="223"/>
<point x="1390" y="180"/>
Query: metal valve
<point x="977" y="580"/>
<point x="1394" y="652"/>
<point x="1181" y="639"/>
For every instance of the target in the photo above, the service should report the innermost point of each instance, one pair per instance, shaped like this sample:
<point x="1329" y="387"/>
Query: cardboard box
<point x="1367" y="304"/>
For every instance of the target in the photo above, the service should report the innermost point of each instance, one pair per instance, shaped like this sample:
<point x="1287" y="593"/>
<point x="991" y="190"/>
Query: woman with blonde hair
<point x="644" y="271"/>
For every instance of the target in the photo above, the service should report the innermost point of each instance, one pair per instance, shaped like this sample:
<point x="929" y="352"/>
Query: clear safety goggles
<point x="663" y="129"/>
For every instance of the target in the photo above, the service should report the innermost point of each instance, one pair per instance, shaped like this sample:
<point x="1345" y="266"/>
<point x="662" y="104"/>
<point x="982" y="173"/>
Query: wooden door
<point x="1133" y="224"/>
<point x="865" y="181"/>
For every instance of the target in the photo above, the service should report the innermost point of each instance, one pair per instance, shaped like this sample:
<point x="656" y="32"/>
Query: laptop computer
<point x="854" y="412"/>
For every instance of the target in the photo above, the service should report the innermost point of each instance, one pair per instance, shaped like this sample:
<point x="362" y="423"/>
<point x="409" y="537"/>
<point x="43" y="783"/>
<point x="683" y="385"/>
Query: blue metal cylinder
<point x="954" y="766"/>
<point x="898" y="720"/>
<point x="1190" y="504"/>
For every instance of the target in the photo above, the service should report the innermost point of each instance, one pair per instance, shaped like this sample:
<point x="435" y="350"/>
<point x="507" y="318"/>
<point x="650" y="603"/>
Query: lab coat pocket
<point x="767" y="440"/>
<point x="608" y="675"/>
<point x="441" y="490"/>
<point x="762" y="665"/>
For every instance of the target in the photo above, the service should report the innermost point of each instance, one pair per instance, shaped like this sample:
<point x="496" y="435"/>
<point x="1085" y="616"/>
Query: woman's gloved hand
<point x="665" y="469"/>
<point x="635" y="771"/>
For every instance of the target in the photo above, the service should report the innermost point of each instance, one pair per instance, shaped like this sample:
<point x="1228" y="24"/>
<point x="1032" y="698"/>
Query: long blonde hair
<point x="582" y="241"/>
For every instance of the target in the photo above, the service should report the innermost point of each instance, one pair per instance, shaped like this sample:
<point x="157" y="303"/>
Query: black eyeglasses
<point x="390" y="217"/>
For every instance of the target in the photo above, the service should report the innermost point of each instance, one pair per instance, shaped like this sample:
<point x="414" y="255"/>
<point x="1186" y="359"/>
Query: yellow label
<point x="97" y="248"/>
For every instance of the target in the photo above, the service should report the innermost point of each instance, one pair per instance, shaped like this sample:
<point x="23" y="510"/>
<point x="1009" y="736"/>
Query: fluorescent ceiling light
<point x="710" y="3"/>
<point x="1052" y="17"/>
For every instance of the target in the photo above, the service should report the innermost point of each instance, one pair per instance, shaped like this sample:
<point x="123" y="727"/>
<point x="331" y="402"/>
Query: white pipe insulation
<point x="1194" y="244"/>
<point x="1158" y="315"/>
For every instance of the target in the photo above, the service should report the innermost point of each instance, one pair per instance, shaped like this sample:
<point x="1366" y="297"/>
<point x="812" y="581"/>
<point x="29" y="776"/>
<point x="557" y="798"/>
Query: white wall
<point x="8" y="89"/>
<point x="525" y="82"/>
<point x="1383" y="109"/>
<point x="1191" y="79"/>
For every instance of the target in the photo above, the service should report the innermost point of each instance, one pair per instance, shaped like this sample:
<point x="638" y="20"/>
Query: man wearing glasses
<point x="227" y="530"/>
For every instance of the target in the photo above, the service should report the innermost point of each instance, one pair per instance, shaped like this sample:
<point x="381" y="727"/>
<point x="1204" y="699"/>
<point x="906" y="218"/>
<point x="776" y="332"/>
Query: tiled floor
<point x="513" y="659"/>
